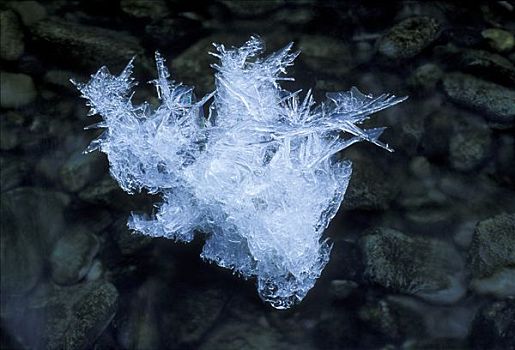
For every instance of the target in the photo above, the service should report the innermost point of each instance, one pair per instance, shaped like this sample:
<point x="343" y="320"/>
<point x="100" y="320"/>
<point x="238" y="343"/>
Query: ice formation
<point x="256" y="177"/>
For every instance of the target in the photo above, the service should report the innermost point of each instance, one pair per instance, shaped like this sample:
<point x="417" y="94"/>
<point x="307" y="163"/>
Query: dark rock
<point x="494" y="326"/>
<point x="489" y="65"/>
<point x="470" y="146"/>
<point x="505" y="171"/>
<point x="408" y="38"/>
<point x="252" y="8"/>
<point x="82" y="169"/>
<point x="10" y="130"/>
<point x="425" y="78"/>
<point x="336" y="331"/>
<point x="30" y="12"/>
<point x="106" y="191"/>
<point x="195" y="312"/>
<point x="16" y="90"/>
<point x="72" y="256"/>
<point x="66" y="317"/>
<point x="428" y="268"/>
<point x="325" y="54"/>
<point x="499" y="39"/>
<point x="438" y="130"/>
<point x="11" y="36"/>
<point x="14" y="171"/>
<point x="173" y="34"/>
<point x="235" y="335"/>
<point x="88" y="46"/>
<point x="492" y="256"/>
<point x="128" y="241"/>
<point x="391" y="319"/>
<point x="341" y="289"/>
<point x="145" y="9"/>
<point x="496" y="101"/>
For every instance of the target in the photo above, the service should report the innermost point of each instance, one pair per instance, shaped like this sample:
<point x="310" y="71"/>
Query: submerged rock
<point x="496" y="101"/>
<point x="494" y="326"/>
<point x="470" y="146"/>
<point x="428" y="268"/>
<point x="325" y="54"/>
<point x="16" y="90"/>
<point x="499" y="39"/>
<point x="408" y="38"/>
<point x="73" y="255"/>
<point x="81" y="170"/>
<point x="145" y="9"/>
<point x="11" y="36"/>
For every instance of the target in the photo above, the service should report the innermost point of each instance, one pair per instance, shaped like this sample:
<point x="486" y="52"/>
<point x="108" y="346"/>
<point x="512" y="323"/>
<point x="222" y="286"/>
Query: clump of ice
<point x="257" y="177"/>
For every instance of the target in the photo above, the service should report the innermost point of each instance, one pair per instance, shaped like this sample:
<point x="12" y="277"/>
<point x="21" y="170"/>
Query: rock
<point x="491" y="256"/>
<point x="11" y="36"/>
<point x="10" y="130"/>
<point x="128" y="241"/>
<point x="16" y="90"/>
<point x="470" y="147"/>
<point x="87" y="46"/>
<point x="438" y="130"/>
<point x="370" y="187"/>
<point x="428" y="268"/>
<point x="30" y="12"/>
<point x="195" y="312"/>
<point x="73" y="255"/>
<point x="391" y="319"/>
<point x="174" y="34"/>
<point x="14" y="171"/>
<point x="425" y="78"/>
<point x="144" y="8"/>
<point x="106" y="191"/>
<point x="494" y="326"/>
<point x="67" y="317"/>
<point x="252" y="8"/>
<point x="505" y="154"/>
<point x="488" y="65"/>
<point x="496" y="101"/>
<point x="337" y="330"/>
<point x="61" y="78"/>
<point x="82" y="169"/>
<point x="499" y="39"/>
<point x="408" y="38"/>
<point x="325" y="54"/>
<point x="37" y="213"/>
<point x="341" y="289"/>
<point x="243" y="336"/>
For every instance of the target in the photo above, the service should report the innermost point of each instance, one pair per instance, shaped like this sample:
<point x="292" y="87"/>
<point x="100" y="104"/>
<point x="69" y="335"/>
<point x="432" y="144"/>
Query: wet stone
<point x="494" y="326"/>
<point x="428" y="268"/>
<point x="173" y="33"/>
<point x="425" y="78"/>
<point x="252" y="8"/>
<point x="11" y="36"/>
<point x="336" y="331"/>
<point x="341" y="289"/>
<point x="470" y="147"/>
<point x="16" y="90"/>
<point x="30" y="12"/>
<point x="72" y="256"/>
<point x="88" y="46"/>
<point x="325" y="54"/>
<point x="10" y="130"/>
<point x="408" y="38"/>
<point x="489" y="65"/>
<point x="491" y="256"/>
<point x="82" y="169"/>
<point x="14" y="171"/>
<point x="496" y="101"/>
<point x="145" y="9"/>
<point x="499" y="39"/>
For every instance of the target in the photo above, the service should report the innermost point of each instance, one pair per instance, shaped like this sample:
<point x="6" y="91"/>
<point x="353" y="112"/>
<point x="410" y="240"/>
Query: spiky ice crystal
<point x="257" y="177"/>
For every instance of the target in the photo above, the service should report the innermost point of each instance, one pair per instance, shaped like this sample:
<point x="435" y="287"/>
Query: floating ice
<point x="257" y="177"/>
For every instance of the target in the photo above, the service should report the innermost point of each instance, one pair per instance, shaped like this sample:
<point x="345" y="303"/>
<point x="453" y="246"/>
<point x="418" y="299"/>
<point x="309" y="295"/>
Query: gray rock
<point x="145" y="9"/>
<point x="428" y="268"/>
<point x="16" y="90"/>
<point x="408" y="38"/>
<point x="106" y="191"/>
<point x="252" y="8"/>
<point x="470" y="147"/>
<point x="11" y="36"/>
<point x="501" y="284"/>
<point x="425" y="78"/>
<point x="67" y="317"/>
<point x="73" y="255"/>
<point x="490" y="65"/>
<point x="499" y="39"/>
<point x="244" y="336"/>
<point x="82" y="169"/>
<point x="496" y="101"/>
<point x="14" y="171"/>
<point x="494" y="326"/>
<point x="195" y="313"/>
<point x="88" y="46"/>
<point x="29" y="11"/>
<point x="341" y="289"/>
<point x="325" y="54"/>
<point x="493" y="245"/>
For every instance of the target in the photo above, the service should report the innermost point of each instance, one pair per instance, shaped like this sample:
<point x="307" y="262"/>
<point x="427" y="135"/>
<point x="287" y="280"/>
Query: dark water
<point x="424" y="244"/>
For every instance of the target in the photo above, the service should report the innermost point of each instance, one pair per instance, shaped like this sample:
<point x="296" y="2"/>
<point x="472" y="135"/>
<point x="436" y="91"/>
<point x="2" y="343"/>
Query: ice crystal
<point x="256" y="177"/>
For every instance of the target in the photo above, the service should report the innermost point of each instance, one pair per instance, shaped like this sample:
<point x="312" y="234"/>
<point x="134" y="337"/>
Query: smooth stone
<point x="11" y="37"/>
<point x="145" y="9"/>
<point x="30" y="12"/>
<point x="16" y="90"/>
<point x="499" y="39"/>
<point x="82" y="169"/>
<point x="325" y="54"/>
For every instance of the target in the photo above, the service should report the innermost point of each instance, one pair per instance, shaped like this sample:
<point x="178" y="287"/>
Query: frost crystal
<point x="257" y="177"/>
